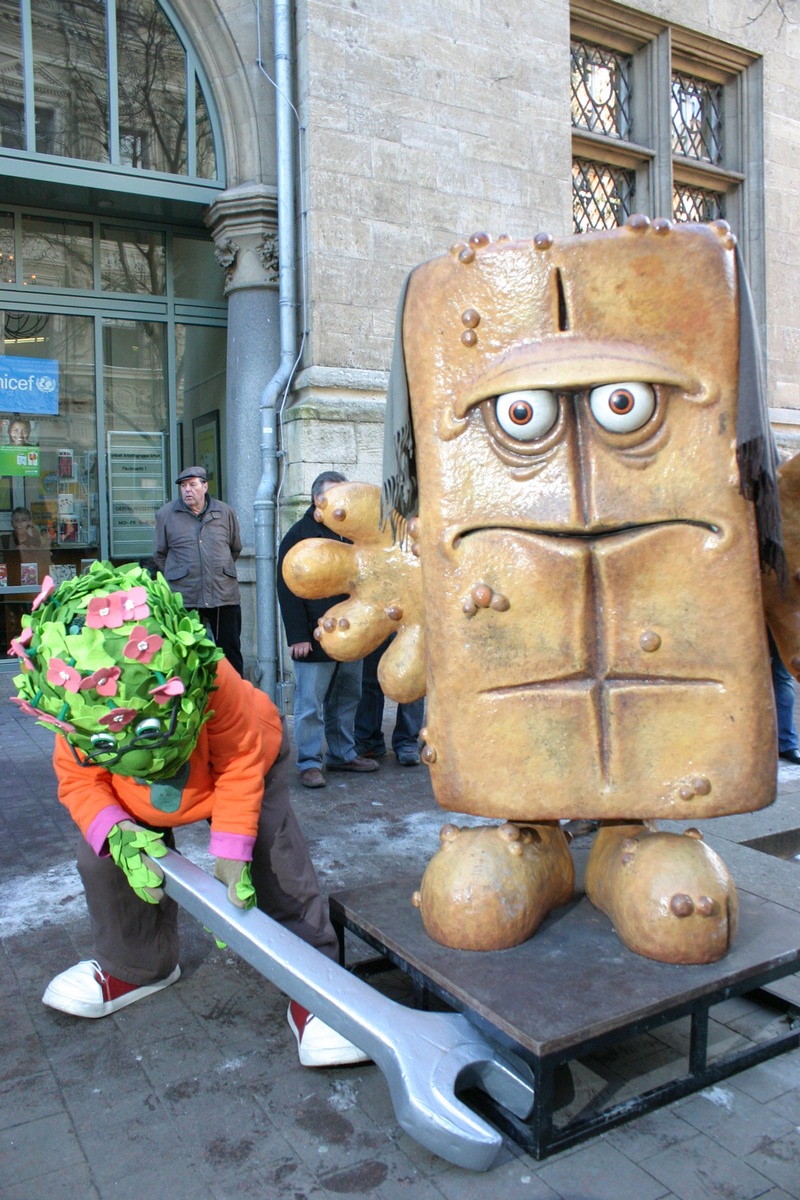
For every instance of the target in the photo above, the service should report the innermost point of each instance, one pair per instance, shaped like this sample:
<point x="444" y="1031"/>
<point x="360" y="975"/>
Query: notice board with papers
<point x="137" y="484"/>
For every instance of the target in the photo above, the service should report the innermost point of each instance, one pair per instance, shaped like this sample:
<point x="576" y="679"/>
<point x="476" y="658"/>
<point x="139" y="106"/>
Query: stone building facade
<point x="352" y="140"/>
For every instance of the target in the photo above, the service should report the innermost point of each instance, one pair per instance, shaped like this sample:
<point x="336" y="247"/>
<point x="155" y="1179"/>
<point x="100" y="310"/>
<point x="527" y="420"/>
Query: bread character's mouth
<point x="589" y="533"/>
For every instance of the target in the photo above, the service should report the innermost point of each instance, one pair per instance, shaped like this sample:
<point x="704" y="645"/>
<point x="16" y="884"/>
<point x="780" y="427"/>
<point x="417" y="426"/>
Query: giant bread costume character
<point x="586" y="461"/>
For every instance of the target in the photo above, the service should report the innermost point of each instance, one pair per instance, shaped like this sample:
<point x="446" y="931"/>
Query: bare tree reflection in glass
<point x="71" y="87"/>
<point x="70" y="78"/>
<point x="12" y="110"/>
<point x="152" y="89"/>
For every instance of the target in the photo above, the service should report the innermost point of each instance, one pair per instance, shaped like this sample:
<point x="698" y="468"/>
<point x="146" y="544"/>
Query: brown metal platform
<point x="573" y="990"/>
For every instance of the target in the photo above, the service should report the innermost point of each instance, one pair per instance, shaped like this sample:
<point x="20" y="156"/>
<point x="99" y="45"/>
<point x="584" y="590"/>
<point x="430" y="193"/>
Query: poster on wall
<point x="19" y="460"/>
<point x="18" y="430"/>
<point x="137" y="487"/>
<point x="206" y="451"/>
<point x="29" y="385"/>
<point x="66" y="464"/>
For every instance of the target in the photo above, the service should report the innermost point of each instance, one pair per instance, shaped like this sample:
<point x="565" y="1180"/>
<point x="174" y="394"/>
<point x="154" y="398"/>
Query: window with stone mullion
<point x="602" y="195"/>
<point x="697" y="118"/>
<point x="697" y="204"/>
<point x="600" y="89"/>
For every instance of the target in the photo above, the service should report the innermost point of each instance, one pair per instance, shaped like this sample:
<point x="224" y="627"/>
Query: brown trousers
<point x="138" y="942"/>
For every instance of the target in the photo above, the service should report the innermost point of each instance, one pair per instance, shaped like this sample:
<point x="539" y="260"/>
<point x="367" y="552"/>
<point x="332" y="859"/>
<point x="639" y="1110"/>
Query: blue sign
<point x="29" y="385"/>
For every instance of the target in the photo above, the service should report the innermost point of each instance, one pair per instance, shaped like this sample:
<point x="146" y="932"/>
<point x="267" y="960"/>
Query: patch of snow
<point x="343" y="1095"/>
<point x="721" y="1097"/>
<point x="31" y="901"/>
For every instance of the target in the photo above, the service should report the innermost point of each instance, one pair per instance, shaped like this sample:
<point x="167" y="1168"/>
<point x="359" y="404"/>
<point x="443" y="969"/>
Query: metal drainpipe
<point x="265" y="504"/>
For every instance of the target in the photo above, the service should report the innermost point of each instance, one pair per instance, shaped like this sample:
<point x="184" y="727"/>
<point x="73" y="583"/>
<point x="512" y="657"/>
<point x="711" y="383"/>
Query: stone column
<point x="243" y="221"/>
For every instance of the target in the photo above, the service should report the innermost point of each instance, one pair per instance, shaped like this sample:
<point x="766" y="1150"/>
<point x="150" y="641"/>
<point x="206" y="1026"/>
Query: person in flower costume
<point x="156" y="731"/>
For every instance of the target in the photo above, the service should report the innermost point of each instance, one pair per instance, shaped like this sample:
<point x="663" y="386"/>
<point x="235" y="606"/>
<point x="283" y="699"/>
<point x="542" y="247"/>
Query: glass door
<point x="112" y="377"/>
<point x="49" y="511"/>
<point x="135" y="376"/>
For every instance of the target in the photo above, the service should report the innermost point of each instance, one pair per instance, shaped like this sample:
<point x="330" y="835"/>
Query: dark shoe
<point x="312" y="778"/>
<point x="86" y="990"/>
<point x="408" y="758"/>
<point x="371" y="753"/>
<point x="355" y="764"/>
<point x="580" y="828"/>
<point x="792" y="756"/>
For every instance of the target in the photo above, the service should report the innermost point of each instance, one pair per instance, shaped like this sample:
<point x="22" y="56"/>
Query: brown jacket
<point x="197" y="555"/>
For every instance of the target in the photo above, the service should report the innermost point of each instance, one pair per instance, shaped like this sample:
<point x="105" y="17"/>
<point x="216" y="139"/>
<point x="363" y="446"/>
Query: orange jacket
<point x="234" y="752"/>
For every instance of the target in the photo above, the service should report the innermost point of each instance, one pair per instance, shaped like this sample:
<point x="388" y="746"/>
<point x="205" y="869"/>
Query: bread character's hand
<point x="383" y="580"/>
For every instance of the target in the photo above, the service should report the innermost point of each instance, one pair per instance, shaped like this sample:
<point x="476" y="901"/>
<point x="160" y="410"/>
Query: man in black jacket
<point x="326" y="692"/>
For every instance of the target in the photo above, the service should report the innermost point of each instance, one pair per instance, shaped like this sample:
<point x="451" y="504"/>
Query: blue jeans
<point x="325" y="702"/>
<point x="369" y="716"/>
<point x="783" y="683"/>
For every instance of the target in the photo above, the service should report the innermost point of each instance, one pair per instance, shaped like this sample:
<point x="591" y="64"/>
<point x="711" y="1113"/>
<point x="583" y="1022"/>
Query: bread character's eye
<point x="622" y="407"/>
<point x="527" y="415"/>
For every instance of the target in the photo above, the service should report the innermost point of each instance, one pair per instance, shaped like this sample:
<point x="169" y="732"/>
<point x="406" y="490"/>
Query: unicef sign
<point x="29" y="385"/>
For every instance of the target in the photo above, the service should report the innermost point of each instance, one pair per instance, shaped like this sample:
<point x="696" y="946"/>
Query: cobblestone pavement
<point x="197" y="1094"/>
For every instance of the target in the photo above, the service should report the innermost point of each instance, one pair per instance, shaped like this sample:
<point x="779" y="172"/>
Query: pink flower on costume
<point x="165" y="691"/>
<point x="61" y="674"/>
<point x="30" y="711"/>
<point x="48" y="587"/>
<point x="105" y="612"/>
<point x="141" y="645"/>
<point x="103" y="681"/>
<point x="19" y="646"/>
<point x="134" y="604"/>
<point x="118" y="718"/>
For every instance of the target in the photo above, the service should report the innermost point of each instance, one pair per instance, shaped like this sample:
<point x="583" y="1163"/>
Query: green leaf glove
<point x="134" y="849"/>
<point x="236" y="876"/>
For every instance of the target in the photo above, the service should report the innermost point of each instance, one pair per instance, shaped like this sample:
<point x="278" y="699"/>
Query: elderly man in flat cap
<point x="197" y="542"/>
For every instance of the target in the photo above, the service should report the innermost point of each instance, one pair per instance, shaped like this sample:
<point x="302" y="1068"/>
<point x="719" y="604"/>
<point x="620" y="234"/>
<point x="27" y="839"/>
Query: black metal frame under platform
<point x="573" y="990"/>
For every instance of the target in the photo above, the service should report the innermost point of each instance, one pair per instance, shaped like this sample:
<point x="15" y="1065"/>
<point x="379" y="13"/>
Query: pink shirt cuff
<point x="231" y="845"/>
<point x="106" y="819"/>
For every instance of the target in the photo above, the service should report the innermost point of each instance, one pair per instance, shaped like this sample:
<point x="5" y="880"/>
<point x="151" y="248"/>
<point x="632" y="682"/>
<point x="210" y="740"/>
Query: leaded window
<point x="600" y="90"/>
<point x="602" y="195"/>
<point x="696" y="203"/>
<point x="696" y="118"/>
<point x="659" y="117"/>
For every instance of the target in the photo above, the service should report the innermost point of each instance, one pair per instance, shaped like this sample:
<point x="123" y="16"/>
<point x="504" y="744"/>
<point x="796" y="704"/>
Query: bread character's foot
<point x="489" y="887"/>
<point x="669" y="896"/>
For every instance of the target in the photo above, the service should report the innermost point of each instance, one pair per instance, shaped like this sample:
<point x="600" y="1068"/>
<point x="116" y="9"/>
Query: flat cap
<point x="192" y="473"/>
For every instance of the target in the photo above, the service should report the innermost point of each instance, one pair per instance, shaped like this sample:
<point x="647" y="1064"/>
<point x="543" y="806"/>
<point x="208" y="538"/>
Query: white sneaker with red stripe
<point x="317" y="1044"/>
<point x="86" y="990"/>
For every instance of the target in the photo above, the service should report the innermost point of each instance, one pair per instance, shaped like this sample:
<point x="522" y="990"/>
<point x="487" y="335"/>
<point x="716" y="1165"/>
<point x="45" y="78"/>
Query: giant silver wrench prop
<point x="424" y="1056"/>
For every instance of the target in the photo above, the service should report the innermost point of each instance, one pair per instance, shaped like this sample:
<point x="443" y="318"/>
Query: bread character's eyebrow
<point x="567" y="362"/>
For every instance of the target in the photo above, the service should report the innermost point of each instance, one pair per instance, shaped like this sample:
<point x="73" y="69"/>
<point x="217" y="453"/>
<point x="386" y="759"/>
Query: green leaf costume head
<point x="112" y="659"/>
